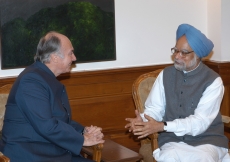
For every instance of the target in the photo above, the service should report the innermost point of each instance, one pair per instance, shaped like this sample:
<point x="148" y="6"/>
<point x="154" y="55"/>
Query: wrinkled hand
<point x="143" y="129"/>
<point x="131" y="125"/>
<point x="92" y="136"/>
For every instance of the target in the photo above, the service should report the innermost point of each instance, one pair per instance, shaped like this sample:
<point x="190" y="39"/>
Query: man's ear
<point x="54" y="58"/>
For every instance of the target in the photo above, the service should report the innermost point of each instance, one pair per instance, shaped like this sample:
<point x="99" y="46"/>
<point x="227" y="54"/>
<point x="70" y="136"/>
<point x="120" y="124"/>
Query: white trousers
<point x="182" y="152"/>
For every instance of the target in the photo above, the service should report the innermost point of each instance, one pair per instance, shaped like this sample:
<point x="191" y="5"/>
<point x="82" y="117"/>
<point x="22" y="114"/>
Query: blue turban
<point x="199" y="43"/>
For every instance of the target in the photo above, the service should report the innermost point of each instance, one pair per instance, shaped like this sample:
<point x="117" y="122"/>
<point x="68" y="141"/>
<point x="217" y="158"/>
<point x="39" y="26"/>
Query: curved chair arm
<point x="93" y="151"/>
<point x="226" y="121"/>
<point x="97" y="149"/>
<point x="3" y="158"/>
<point x="154" y="143"/>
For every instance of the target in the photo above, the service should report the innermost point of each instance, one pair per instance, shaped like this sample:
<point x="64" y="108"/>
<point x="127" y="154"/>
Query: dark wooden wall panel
<point x="107" y="112"/>
<point x="223" y="68"/>
<point x="98" y="89"/>
<point x="104" y="97"/>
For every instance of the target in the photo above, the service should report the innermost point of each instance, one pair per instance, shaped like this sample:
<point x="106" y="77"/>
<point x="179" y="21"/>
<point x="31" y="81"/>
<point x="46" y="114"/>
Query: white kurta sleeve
<point x="155" y="102"/>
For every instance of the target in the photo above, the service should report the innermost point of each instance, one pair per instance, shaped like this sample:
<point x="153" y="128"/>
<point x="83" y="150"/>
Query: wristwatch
<point x="165" y="126"/>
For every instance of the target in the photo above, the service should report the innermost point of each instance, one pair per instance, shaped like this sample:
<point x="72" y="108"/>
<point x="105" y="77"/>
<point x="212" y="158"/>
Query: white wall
<point x="214" y="27"/>
<point x="145" y="32"/>
<point x="225" y="33"/>
<point x="218" y="28"/>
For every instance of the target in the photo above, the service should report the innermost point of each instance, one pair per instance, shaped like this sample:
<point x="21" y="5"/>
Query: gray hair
<point x="48" y="44"/>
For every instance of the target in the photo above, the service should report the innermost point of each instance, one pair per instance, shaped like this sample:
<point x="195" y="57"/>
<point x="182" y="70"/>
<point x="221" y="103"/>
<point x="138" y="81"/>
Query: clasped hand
<point x="143" y="129"/>
<point x="92" y="136"/>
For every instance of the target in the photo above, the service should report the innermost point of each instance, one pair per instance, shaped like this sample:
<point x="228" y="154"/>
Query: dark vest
<point x="183" y="92"/>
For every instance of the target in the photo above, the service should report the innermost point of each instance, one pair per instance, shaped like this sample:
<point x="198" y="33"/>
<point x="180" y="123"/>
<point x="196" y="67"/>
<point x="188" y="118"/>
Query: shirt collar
<point x="44" y="67"/>
<point x="192" y="69"/>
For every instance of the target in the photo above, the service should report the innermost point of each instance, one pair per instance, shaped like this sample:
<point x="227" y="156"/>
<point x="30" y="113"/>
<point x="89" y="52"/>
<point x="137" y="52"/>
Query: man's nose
<point x="74" y="57"/>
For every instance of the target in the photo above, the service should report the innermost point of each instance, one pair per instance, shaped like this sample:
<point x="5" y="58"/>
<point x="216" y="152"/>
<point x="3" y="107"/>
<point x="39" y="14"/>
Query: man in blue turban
<point x="184" y="105"/>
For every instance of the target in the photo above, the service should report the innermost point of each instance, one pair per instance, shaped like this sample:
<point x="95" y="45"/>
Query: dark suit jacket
<point x="37" y="125"/>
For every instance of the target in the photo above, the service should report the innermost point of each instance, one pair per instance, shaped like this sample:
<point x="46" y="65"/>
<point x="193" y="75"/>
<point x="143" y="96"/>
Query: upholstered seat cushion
<point x="144" y="89"/>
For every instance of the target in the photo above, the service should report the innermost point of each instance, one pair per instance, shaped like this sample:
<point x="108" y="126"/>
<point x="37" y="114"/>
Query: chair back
<point x="142" y="87"/>
<point x="4" y="92"/>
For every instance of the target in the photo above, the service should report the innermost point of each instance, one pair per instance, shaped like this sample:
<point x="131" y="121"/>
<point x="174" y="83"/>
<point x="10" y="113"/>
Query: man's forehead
<point x="183" y="42"/>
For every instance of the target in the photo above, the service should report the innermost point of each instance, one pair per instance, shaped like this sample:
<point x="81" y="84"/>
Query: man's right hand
<point x="131" y="125"/>
<point x="92" y="136"/>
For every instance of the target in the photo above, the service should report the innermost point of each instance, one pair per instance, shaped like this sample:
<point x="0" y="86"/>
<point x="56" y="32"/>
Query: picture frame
<point x="89" y="24"/>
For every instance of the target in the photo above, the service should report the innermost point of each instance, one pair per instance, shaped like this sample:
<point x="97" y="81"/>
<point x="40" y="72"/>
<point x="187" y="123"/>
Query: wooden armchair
<point x="141" y="88"/>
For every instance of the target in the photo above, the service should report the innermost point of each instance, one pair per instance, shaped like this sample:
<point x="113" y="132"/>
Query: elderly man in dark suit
<point x="37" y="125"/>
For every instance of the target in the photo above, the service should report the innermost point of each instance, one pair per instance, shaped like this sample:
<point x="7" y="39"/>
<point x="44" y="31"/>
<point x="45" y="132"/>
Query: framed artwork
<point x="89" y="24"/>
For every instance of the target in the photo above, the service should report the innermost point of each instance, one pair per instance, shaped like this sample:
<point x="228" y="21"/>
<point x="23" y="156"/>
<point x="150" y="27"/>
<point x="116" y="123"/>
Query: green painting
<point x="90" y="25"/>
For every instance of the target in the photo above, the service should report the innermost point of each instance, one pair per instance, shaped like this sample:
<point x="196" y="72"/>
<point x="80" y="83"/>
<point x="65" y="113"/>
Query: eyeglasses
<point x="183" y="53"/>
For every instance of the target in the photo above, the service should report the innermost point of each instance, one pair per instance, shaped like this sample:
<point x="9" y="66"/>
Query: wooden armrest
<point x="3" y="158"/>
<point x="226" y="121"/>
<point x="154" y="141"/>
<point x="94" y="151"/>
<point x="97" y="149"/>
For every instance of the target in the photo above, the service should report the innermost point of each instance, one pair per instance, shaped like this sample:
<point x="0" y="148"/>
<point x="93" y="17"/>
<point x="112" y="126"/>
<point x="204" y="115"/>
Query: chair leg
<point x="154" y="143"/>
